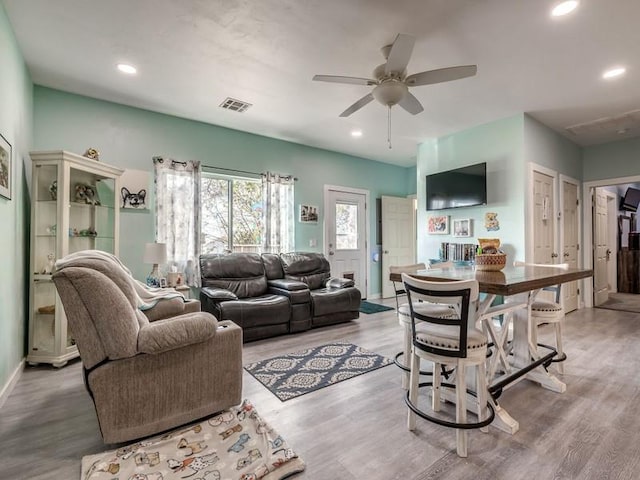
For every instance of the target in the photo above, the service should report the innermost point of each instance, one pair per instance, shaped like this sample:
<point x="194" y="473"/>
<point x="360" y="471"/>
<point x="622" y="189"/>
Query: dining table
<point x="521" y="357"/>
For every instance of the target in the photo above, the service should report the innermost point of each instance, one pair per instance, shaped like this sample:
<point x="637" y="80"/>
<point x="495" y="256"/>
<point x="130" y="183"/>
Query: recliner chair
<point x="146" y="376"/>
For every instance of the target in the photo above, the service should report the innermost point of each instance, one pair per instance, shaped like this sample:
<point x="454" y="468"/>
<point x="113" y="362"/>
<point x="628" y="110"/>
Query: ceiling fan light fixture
<point x="564" y="8"/>
<point x="389" y="93"/>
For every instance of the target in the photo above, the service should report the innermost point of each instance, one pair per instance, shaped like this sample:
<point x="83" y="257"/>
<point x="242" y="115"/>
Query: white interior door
<point x="544" y="219"/>
<point x="398" y="237"/>
<point x="601" y="249"/>
<point x="570" y="236"/>
<point x="612" y="242"/>
<point x="346" y="236"/>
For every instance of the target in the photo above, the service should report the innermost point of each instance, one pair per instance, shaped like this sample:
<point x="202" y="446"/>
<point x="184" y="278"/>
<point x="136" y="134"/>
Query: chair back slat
<point x="462" y="295"/>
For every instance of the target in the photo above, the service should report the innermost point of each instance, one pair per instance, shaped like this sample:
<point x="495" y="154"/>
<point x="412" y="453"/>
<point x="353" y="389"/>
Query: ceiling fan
<point x="391" y="82"/>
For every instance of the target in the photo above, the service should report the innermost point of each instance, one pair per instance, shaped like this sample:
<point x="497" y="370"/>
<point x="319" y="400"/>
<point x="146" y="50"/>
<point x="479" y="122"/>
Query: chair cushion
<point x="548" y="311"/>
<point x="447" y="337"/>
<point x="310" y="268"/>
<point x="425" y="308"/>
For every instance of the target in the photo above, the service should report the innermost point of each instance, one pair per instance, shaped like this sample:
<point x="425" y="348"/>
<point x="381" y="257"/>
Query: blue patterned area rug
<point x="294" y="374"/>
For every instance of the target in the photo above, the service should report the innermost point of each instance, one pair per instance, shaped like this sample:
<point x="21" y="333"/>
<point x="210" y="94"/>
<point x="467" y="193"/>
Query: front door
<point x="398" y="237"/>
<point x="601" y="251"/>
<point x="346" y="236"/>
<point x="570" y="241"/>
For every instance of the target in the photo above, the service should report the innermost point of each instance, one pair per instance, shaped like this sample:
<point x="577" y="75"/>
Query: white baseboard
<point x="13" y="379"/>
<point x="374" y="296"/>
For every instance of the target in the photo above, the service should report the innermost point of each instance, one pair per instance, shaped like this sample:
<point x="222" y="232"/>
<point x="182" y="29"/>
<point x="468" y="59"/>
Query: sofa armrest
<point x="287" y="284"/>
<point x="168" y="334"/>
<point x="218" y="294"/>
<point x="335" y="282"/>
<point x="171" y="307"/>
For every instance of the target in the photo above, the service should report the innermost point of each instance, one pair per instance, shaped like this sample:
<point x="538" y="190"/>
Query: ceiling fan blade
<point x="400" y="54"/>
<point x="358" y="105"/>
<point x="441" y="75"/>
<point x="349" y="80"/>
<point x="411" y="104"/>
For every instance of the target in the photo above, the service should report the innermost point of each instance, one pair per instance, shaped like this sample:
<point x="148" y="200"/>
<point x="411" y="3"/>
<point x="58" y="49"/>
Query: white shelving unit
<point x="63" y="221"/>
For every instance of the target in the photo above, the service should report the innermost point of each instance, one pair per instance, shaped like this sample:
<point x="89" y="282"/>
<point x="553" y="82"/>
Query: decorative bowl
<point x="491" y="261"/>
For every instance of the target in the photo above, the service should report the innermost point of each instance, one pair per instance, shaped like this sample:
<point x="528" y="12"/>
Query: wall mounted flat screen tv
<point x="631" y="200"/>
<point x="462" y="187"/>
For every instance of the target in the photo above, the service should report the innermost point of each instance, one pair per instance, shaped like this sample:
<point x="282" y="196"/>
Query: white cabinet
<point x="74" y="207"/>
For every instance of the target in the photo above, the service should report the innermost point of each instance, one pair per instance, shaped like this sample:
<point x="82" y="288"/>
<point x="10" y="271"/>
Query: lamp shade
<point x="155" y="253"/>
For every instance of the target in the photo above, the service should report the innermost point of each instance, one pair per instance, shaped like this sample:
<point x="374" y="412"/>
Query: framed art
<point x="308" y="214"/>
<point x="6" y="172"/>
<point x="438" y="225"/>
<point x="462" y="227"/>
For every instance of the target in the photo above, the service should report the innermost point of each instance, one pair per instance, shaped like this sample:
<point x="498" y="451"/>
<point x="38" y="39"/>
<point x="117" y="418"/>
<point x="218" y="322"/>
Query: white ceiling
<point x="192" y="54"/>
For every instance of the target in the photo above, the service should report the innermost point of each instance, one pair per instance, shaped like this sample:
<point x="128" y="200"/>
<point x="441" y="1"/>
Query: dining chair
<point x="452" y="342"/>
<point x="550" y="311"/>
<point x="401" y="358"/>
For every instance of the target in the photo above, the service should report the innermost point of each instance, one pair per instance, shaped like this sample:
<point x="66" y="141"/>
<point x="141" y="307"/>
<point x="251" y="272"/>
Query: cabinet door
<point x="92" y="209"/>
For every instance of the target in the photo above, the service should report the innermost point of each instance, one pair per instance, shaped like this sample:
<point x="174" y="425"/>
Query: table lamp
<point x="155" y="253"/>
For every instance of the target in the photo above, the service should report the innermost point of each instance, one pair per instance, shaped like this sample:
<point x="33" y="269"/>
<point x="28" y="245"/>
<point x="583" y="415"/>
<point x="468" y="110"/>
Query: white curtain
<point x="278" y="215"/>
<point x="177" y="189"/>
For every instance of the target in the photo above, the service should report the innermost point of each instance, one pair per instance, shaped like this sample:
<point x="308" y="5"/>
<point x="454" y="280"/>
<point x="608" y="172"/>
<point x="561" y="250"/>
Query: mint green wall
<point x="548" y="148"/>
<point x="16" y="121"/>
<point x="411" y="184"/>
<point x="129" y="137"/>
<point x="498" y="143"/>
<point x="611" y="160"/>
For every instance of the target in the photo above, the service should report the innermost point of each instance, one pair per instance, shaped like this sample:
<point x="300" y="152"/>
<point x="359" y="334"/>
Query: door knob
<point x="330" y="253"/>
<point x="608" y="252"/>
<point x="386" y="251"/>
<point x="565" y="254"/>
<point x="554" y="255"/>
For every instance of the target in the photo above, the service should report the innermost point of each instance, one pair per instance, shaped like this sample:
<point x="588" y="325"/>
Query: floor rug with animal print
<point x="294" y="374"/>
<point x="234" y="445"/>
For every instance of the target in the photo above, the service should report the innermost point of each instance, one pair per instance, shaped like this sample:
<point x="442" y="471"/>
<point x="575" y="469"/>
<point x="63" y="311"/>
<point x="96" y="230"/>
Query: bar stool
<point x="448" y="341"/>
<point x="404" y="318"/>
<point x="545" y="311"/>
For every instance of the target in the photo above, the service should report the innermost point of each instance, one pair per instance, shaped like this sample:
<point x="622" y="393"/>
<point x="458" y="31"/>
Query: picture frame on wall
<point x="438" y="225"/>
<point x="462" y="227"/>
<point x="6" y="168"/>
<point x="308" y="213"/>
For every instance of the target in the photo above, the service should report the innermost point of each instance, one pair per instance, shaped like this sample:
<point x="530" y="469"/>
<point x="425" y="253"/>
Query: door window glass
<point x="346" y="226"/>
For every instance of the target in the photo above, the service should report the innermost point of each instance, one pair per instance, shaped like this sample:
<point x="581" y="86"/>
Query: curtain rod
<point x="240" y="171"/>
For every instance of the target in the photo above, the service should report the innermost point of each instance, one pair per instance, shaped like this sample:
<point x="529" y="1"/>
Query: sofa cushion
<point x="308" y="267"/>
<point x="327" y="301"/>
<point x="241" y="273"/>
<point x="257" y="311"/>
<point x="272" y="266"/>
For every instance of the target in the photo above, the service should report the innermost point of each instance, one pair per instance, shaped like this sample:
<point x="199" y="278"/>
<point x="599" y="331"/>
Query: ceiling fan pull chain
<point x="389" y="126"/>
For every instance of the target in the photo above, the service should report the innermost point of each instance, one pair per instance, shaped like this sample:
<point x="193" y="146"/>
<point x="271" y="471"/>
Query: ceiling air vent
<point x="235" y="105"/>
<point x="622" y="123"/>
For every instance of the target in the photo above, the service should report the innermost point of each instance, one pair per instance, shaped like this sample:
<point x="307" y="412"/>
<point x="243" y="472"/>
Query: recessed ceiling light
<point x="564" y="8"/>
<point x="126" y="68"/>
<point x="614" y="72"/>
<point x="356" y="133"/>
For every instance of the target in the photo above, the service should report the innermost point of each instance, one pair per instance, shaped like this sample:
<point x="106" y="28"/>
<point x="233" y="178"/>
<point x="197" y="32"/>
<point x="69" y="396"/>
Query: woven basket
<point x="491" y="261"/>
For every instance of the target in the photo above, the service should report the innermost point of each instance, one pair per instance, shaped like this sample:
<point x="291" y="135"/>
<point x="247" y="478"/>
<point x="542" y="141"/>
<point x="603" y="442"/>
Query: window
<point x="231" y="214"/>
<point x="346" y="226"/>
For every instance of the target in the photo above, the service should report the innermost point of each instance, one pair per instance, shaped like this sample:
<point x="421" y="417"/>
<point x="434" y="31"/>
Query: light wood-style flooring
<point x="357" y="429"/>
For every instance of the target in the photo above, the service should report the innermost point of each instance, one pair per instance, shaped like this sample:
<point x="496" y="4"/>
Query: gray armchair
<point x="146" y="376"/>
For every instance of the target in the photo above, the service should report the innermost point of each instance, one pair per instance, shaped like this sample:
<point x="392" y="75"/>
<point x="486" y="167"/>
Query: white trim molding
<point x="11" y="383"/>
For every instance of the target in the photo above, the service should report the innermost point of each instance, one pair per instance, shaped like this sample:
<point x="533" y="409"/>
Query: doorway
<point x="612" y="272"/>
<point x="346" y="234"/>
